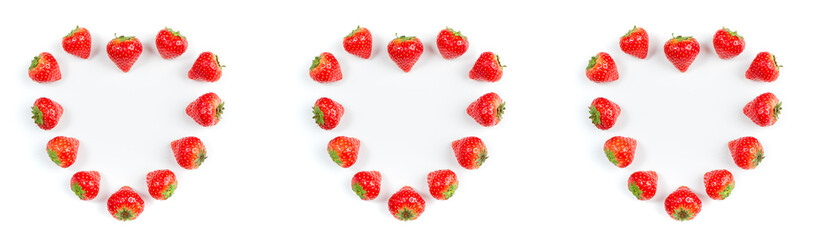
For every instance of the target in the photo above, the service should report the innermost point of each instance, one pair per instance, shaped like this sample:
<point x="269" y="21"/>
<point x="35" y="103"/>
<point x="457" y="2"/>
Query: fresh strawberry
<point x="620" y="150"/>
<point x="189" y="152"/>
<point x="719" y="183"/>
<point x="44" y="68"/>
<point x="746" y="152"/>
<point x="635" y="42"/>
<point x="487" y="68"/>
<point x="604" y="113"/>
<point x="443" y="184"/>
<point x="681" y="51"/>
<point x="344" y="150"/>
<point x="206" y="68"/>
<point x="406" y="204"/>
<point x="327" y="113"/>
<point x="325" y="68"/>
<point x="124" y="51"/>
<point x="366" y="184"/>
<point x="125" y="204"/>
<point x="470" y="152"/>
<point x="727" y="43"/>
<point x="643" y="184"/>
<point x="206" y="110"/>
<point x="46" y="113"/>
<point x="85" y="184"/>
<point x="405" y="51"/>
<point x="601" y="68"/>
<point x="451" y="44"/>
<point x="77" y="43"/>
<point x="170" y="44"/>
<point x="63" y="150"/>
<point x="683" y="204"/>
<point x="359" y="42"/>
<point x="764" y="68"/>
<point x="764" y="110"/>
<point x="161" y="184"/>
<point x="487" y="110"/>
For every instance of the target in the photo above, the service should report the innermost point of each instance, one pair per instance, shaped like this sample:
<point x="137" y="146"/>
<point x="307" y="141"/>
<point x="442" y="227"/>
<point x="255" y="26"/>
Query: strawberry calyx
<point x="455" y="33"/>
<point x="403" y="38"/>
<point x="359" y="190"/>
<point x="78" y="190"/>
<point x="219" y="110"/>
<point x="175" y="33"/>
<point x="591" y="63"/>
<point x="634" y="188"/>
<point x="681" y="38"/>
<point x="450" y="191"/>
<point x="72" y="32"/>
<point x="631" y="31"/>
<point x="723" y="194"/>
<point x="34" y="63"/>
<point x="54" y="156"/>
<point x="595" y="117"/>
<point x="611" y="156"/>
<point x="358" y="28"/>
<point x="683" y="214"/>
<point x="123" y="38"/>
<point x="169" y="191"/>
<point x="316" y="62"/>
<point x="406" y="214"/>
<point x="776" y="111"/>
<point x="497" y="59"/>
<point x="500" y="109"/>
<point x="199" y="159"/>
<point x="758" y="158"/>
<point x="38" y="115"/>
<point x="124" y="214"/>
<point x="335" y="156"/>
<point x="319" y="116"/>
<point x="482" y="156"/>
<point x="732" y="33"/>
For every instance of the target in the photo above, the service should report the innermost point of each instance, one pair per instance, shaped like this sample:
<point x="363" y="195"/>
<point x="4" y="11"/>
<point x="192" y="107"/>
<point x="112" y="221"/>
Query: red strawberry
<point x="683" y="204"/>
<point x="487" y="68"/>
<point x="325" y="68"/>
<point x="764" y="68"/>
<point x="44" y="68"/>
<point x="344" y="150"/>
<point x="443" y="184"/>
<point x="405" y="51"/>
<point x="206" y="110"/>
<point x="85" y="184"/>
<point x="719" y="183"/>
<point x="327" y="113"/>
<point x="406" y="204"/>
<point x="77" y="42"/>
<point x="367" y="184"/>
<point x="635" y="42"/>
<point x="681" y="51"/>
<point x="189" y="152"/>
<point x="764" y="110"/>
<point x="170" y="44"/>
<point x="125" y="204"/>
<point x="206" y="68"/>
<point x="63" y="150"/>
<point x="46" y="113"/>
<point x="601" y="68"/>
<point x="620" y="150"/>
<point x="487" y="110"/>
<point x="727" y="43"/>
<point x="747" y="152"/>
<point x="470" y="152"/>
<point x="359" y="42"/>
<point x="604" y="113"/>
<point x="451" y="44"/>
<point x="124" y="51"/>
<point x="643" y="184"/>
<point x="161" y="184"/>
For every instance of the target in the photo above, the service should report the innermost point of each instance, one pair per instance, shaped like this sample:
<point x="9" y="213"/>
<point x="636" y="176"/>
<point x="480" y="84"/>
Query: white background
<point x="268" y="175"/>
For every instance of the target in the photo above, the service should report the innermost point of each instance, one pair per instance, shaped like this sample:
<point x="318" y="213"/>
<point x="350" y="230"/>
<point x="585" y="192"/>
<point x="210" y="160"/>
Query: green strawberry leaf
<point x="776" y="110"/>
<point x="758" y="158"/>
<point x="630" y="31"/>
<point x="595" y="117"/>
<point x="635" y="190"/>
<point x="219" y="110"/>
<point x="54" y="156"/>
<point x="34" y="63"/>
<point x="482" y="156"/>
<point x="38" y="116"/>
<point x="78" y="190"/>
<point x="591" y="63"/>
<point x="728" y="190"/>
<point x="500" y="109"/>
<point x="335" y="157"/>
<point x="201" y="158"/>
<point x="611" y="156"/>
<point x="170" y="190"/>
<point x="405" y="214"/>
<point x="319" y="116"/>
<point x="359" y="190"/>
<point x="450" y="191"/>
<point x="315" y="63"/>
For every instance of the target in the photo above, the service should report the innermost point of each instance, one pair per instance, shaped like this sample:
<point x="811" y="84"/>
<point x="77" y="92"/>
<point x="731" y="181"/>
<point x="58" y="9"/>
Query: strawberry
<point x="620" y="150"/>
<point x="85" y="184"/>
<point x="604" y="113"/>
<point x="405" y="51"/>
<point x="746" y="152"/>
<point x="170" y="44"/>
<point x="206" y="110"/>
<point x="727" y="43"/>
<point x="406" y="204"/>
<point x="719" y="184"/>
<point x="325" y="68"/>
<point x="359" y="42"/>
<point x="344" y="150"/>
<point x="764" y="110"/>
<point x="487" y="68"/>
<point x="643" y="184"/>
<point x="62" y="150"/>
<point x="487" y="110"/>
<point x="470" y="152"/>
<point x="161" y="184"/>
<point x="327" y="113"/>
<point x="635" y="42"/>
<point x="44" y="68"/>
<point x="189" y="152"/>
<point x="451" y="44"/>
<point x="601" y="68"/>
<point x="683" y="204"/>
<point x="366" y="184"/>
<point x="764" y="68"/>
<point x="125" y="204"/>
<point x="443" y="184"/>
<point x="206" y="68"/>
<point x="77" y="43"/>
<point x="681" y="51"/>
<point x="124" y="51"/>
<point x="46" y="113"/>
